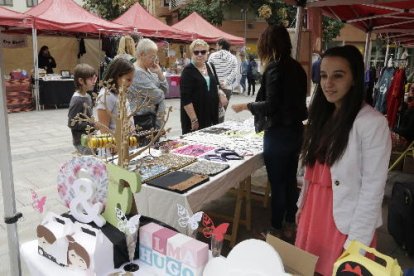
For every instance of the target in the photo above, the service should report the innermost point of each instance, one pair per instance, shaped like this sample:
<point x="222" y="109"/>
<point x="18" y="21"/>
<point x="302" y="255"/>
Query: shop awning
<point x="137" y="18"/>
<point x="68" y="16"/>
<point x="391" y="19"/>
<point x="200" y="28"/>
<point x="12" y="18"/>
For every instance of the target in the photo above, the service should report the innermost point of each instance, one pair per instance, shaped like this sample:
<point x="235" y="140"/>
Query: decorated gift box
<point x="171" y="253"/>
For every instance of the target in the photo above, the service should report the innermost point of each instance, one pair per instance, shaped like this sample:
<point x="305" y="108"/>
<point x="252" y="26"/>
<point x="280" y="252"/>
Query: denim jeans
<point x="281" y="148"/>
<point x="243" y="82"/>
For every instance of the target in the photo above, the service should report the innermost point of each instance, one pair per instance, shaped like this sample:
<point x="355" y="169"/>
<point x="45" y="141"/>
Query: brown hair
<point x="82" y="71"/>
<point x="73" y="245"/>
<point x="116" y="69"/>
<point x="44" y="232"/>
<point x="274" y="43"/>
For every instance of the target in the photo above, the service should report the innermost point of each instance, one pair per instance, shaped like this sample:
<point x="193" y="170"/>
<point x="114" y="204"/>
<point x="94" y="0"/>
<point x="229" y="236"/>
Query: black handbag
<point x="145" y="121"/>
<point x="401" y="215"/>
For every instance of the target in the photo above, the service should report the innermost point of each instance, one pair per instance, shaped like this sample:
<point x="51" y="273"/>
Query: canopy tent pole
<point x="367" y="52"/>
<point x="298" y="29"/>
<point x="9" y="202"/>
<point x="387" y="51"/>
<point x="36" y="68"/>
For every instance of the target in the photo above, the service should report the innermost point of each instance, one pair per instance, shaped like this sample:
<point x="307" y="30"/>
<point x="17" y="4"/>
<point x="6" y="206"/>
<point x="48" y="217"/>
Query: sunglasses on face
<point x="202" y="52"/>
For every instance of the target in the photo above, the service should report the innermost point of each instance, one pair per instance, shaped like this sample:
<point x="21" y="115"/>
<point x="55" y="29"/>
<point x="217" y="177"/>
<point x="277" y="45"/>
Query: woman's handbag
<point x="222" y="102"/>
<point x="145" y="121"/>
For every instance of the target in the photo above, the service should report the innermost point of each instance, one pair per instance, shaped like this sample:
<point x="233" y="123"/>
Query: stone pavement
<point x="41" y="142"/>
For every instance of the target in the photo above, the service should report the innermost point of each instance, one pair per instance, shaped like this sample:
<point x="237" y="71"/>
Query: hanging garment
<point x="82" y="48"/>
<point x="370" y="78"/>
<point x="380" y="92"/>
<point x="395" y="96"/>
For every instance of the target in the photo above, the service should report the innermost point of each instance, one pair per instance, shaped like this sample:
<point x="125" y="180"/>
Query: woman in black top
<point x="199" y="93"/>
<point x="279" y="110"/>
<point x="45" y="60"/>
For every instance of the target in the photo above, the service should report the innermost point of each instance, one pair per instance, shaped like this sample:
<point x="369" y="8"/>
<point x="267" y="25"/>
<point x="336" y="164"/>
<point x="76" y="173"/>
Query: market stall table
<point x="55" y="92"/>
<point x="173" y="86"/>
<point x="162" y="204"/>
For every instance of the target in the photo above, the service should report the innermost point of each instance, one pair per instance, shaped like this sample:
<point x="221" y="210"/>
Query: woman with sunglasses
<point x="199" y="90"/>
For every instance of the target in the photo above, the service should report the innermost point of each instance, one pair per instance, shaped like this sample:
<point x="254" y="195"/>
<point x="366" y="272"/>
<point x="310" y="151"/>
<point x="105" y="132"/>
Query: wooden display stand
<point x="19" y="95"/>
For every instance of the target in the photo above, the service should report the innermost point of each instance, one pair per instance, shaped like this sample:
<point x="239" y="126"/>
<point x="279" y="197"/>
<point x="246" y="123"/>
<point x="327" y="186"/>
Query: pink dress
<point x="317" y="232"/>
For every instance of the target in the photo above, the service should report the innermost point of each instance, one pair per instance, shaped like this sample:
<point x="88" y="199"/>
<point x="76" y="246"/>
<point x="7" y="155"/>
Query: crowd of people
<point x="345" y="147"/>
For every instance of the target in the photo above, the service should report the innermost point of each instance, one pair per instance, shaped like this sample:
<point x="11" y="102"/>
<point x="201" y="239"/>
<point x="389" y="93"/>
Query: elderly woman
<point x="199" y="90"/>
<point x="149" y="85"/>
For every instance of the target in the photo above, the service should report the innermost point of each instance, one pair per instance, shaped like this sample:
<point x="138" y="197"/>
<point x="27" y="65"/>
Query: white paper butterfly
<point x="185" y="220"/>
<point x="123" y="223"/>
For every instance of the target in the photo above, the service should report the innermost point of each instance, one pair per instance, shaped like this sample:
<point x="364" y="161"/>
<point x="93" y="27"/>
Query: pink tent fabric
<point x="142" y="21"/>
<point x="12" y="18"/>
<point x="67" y="16"/>
<point x="197" y="25"/>
<point x="393" y="18"/>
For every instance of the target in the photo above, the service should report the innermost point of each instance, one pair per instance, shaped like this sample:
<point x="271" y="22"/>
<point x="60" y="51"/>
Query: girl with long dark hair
<point x="346" y="152"/>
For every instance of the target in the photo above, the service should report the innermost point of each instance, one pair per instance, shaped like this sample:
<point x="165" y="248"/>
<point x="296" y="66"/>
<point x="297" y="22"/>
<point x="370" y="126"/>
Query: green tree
<point x="109" y="9"/>
<point x="331" y="29"/>
<point x="211" y="10"/>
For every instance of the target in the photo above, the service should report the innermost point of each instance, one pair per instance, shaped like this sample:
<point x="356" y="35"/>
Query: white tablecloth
<point x="162" y="204"/>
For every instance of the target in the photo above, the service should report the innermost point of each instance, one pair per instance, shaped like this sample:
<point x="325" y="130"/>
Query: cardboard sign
<point x="13" y="41"/>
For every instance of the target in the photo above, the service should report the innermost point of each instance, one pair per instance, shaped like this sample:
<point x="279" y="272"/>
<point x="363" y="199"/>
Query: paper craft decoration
<point x="206" y="167"/>
<point x="77" y="246"/>
<point x="249" y="257"/>
<point x="130" y="228"/>
<point x="185" y="221"/>
<point x="131" y="225"/>
<point x="211" y="229"/>
<point x="121" y="188"/>
<point x="81" y="206"/>
<point x="51" y="236"/>
<point x="171" y="253"/>
<point x="179" y="182"/>
<point x="83" y="167"/>
<point x="38" y="203"/>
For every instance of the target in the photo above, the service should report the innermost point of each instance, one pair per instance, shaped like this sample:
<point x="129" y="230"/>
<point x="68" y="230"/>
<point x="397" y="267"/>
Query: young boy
<point x="81" y="103"/>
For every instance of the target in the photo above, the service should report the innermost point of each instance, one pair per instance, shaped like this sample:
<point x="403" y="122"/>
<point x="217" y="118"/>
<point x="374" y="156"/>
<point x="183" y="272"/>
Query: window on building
<point x="6" y="2"/>
<point x="31" y="3"/>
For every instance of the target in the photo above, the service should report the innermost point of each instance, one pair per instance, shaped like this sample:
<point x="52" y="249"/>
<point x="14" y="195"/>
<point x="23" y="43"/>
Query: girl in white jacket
<point x="346" y="153"/>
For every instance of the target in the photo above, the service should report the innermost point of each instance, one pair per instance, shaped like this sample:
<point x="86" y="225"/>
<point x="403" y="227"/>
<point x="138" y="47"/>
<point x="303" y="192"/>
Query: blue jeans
<point x="281" y="148"/>
<point x="243" y="82"/>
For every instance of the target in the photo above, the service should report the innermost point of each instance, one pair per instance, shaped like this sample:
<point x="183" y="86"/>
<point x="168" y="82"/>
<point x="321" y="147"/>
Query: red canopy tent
<point x="197" y="25"/>
<point x="12" y="18"/>
<point x="392" y="19"/>
<point x="67" y="16"/>
<point x="139" y="19"/>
